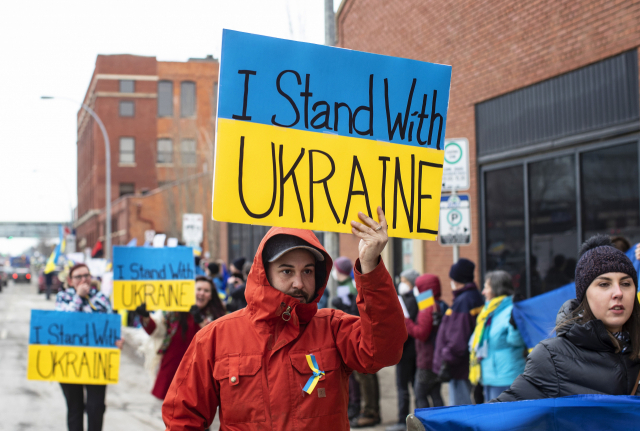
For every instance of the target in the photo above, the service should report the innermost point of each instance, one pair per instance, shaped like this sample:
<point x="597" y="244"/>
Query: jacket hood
<point x="591" y="335"/>
<point x="429" y="282"/>
<point x="265" y="302"/>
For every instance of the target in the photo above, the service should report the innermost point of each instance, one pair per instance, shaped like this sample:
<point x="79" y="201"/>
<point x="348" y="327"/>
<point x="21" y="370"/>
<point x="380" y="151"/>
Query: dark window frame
<point x="576" y="152"/>
<point x="120" y="152"/>
<point x="159" y="159"/>
<point x="189" y="158"/>
<point x="161" y="94"/>
<point x="124" y="82"/>
<point x="122" y="103"/>
<point x="184" y="103"/>
<point x="132" y="192"/>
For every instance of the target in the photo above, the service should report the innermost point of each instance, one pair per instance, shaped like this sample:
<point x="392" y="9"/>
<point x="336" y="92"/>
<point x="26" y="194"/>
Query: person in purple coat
<point x="451" y="358"/>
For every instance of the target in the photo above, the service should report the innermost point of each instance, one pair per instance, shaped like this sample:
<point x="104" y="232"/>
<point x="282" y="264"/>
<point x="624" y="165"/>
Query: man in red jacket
<point x="280" y="363"/>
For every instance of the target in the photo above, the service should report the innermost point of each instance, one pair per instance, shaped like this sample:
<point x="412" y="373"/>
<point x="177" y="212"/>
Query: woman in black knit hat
<point x="597" y="347"/>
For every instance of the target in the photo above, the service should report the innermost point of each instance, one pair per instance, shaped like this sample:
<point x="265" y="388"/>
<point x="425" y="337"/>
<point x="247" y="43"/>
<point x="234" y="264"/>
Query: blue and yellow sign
<point x="163" y="278"/>
<point x="309" y="135"/>
<point x="74" y="347"/>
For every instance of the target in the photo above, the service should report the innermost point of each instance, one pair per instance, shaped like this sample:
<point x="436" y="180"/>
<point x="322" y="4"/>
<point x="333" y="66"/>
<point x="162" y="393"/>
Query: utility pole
<point x="329" y="23"/>
<point x="331" y="239"/>
<point x="107" y="159"/>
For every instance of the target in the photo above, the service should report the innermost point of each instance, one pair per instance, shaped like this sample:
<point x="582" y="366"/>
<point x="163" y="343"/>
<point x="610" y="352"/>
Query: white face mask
<point x="404" y="288"/>
<point x="453" y="285"/>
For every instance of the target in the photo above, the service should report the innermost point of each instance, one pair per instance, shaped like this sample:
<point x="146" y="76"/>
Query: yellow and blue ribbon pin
<point x="317" y="373"/>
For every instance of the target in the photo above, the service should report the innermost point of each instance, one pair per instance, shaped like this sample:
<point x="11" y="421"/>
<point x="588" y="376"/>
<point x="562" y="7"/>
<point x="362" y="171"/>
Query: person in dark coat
<point x="425" y="329"/>
<point x="181" y="327"/>
<point x="451" y="358"/>
<point x="406" y="368"/>
<point x="597" y="347"/>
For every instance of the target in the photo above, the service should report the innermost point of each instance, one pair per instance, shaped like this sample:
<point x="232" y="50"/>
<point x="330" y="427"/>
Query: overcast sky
<point x="50" y="48"/>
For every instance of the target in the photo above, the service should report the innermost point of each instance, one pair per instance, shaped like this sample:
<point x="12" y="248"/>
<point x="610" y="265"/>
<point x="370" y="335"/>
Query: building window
<point x="127" y="150"/>
<point x="568" y="198"/>
<point x="187" y="99"/>
<point x="165" y="150"/>
<point x="188" y="151"/>
<point x="127" y="86"/>
<point x="504" y="223"/>
<point x="553" y="222"/>
<point x="127" y="108"/>
<point x="610" y="195"/>
<point x="127" y="189"/>
<point x="165" y="99"/>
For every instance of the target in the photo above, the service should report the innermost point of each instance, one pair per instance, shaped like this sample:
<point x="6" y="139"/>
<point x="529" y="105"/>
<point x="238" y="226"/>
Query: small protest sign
<point x="163" y="278"/>
<point x="75" y="348"/>
<point x="309" y="135"/>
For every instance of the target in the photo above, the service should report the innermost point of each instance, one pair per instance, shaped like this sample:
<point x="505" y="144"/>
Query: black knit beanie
<point x="597" y="257"/>
<point x="462" y="271"/>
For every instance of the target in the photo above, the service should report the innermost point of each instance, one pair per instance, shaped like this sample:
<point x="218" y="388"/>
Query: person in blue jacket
<point x="497" y="349"/>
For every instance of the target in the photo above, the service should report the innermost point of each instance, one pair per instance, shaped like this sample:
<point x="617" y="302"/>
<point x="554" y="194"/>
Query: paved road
<point x="36" y="405"/>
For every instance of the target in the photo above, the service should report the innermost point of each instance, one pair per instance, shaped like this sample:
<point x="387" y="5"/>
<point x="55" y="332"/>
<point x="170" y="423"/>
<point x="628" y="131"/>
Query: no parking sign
<point x="455" y="220"/>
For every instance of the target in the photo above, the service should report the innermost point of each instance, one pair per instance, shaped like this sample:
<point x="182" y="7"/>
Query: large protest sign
<point x="74" y="347"/>
<point x="163" y="278"/>
<point x="308" y="135"/>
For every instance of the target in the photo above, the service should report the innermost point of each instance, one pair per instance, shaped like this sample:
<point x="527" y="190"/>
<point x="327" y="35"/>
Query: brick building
<point x="547" y="94"/>
<point x="160" y="119"/>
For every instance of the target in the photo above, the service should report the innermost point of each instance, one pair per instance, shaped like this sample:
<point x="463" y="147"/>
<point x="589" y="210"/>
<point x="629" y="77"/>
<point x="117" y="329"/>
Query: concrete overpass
<point x="30" y="229"/>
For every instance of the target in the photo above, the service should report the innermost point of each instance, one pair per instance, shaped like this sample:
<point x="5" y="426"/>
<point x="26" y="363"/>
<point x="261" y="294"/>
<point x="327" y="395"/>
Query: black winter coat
<point x="580" y="360"/>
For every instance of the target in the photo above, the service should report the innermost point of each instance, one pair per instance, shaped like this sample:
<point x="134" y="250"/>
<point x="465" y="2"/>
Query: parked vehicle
<point x="20" y="269"/>
<point x="4" y="275"/>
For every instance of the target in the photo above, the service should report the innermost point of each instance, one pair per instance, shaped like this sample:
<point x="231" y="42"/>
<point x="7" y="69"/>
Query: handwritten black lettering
<point x="240" y="175"/>
<point x="244" y="116"/>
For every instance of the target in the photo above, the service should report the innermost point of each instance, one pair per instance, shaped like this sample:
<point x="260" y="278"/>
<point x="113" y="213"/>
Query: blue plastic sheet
<point x="536" y="317"/>
<point x="577" y="412"/>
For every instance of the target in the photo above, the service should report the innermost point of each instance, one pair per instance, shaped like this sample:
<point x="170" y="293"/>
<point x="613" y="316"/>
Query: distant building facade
<point x="160" y="119"/>
<point x="547" y="94"/>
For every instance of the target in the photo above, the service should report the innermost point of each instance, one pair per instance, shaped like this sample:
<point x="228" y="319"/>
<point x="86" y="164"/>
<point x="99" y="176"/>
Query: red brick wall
<point x="142" y="126"/>
<point x="494" y="47"/>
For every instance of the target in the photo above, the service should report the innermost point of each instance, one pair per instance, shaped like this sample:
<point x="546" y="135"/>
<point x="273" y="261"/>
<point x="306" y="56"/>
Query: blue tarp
<point x="536" y="317"/>
<point x="577" y="412"/>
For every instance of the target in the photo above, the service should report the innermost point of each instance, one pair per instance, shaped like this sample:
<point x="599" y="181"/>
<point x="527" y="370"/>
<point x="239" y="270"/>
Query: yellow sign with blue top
<point x="309" y="135"/>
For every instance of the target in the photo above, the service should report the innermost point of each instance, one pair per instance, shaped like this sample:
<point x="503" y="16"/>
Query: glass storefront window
<point x="505" y="229"/>
<point x="407" y="254"/>
<point x="610" y="203"/>
<point x="553" y="223"/>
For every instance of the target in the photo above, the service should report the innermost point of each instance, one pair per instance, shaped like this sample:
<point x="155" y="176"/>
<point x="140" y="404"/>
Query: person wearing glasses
<point x="81" y="297"/>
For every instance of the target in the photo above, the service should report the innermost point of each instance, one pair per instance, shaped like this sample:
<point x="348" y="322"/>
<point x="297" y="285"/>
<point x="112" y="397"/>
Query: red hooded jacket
<point x="422" y="329"/>
<point x="252" y="364"/>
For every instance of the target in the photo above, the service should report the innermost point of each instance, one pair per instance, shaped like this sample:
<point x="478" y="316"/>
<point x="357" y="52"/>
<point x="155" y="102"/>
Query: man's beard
<point x="306" y="297"/>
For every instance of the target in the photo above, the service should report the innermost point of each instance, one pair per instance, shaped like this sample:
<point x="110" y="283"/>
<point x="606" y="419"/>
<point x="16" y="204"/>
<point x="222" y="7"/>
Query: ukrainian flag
<point x="425" y="300"/>
<point x="51" y="263"/>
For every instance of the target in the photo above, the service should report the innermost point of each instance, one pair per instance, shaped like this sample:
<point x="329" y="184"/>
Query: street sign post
<point x="455" y="172"/>
<point x="455" y="222"/>
<point x="192" y="229"/>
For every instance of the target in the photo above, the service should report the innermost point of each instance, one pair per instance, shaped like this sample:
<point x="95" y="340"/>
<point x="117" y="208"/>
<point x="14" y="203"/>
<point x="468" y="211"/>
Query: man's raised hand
<point x="373" y="238"/>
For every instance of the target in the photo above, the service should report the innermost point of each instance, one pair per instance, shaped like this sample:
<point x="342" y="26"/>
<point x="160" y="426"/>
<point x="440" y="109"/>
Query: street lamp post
<point x="107" y="149"/>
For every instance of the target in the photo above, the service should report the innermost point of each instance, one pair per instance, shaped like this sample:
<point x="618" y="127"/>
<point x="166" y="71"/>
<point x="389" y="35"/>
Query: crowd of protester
<point x="471" y="344"/>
